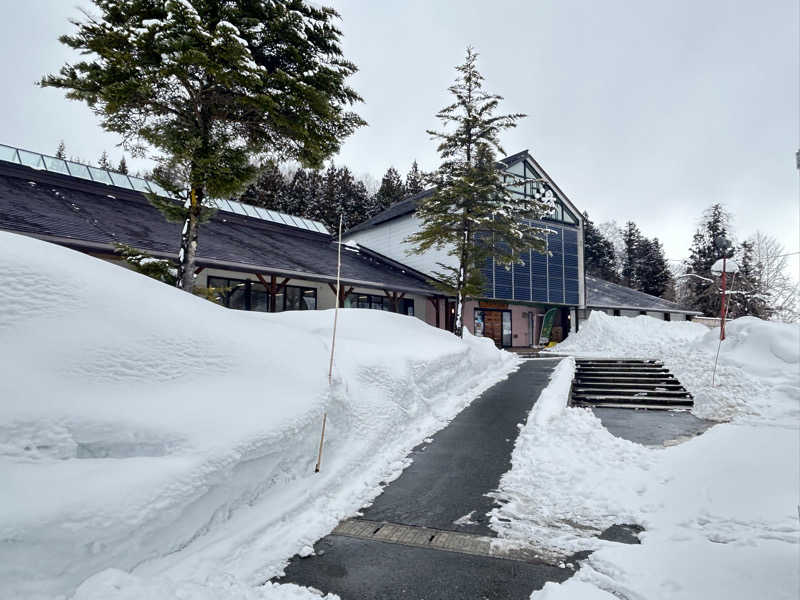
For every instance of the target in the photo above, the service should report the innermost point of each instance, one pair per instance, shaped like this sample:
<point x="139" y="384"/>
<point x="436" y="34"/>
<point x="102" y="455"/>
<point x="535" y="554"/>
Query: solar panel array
<point x="547" y="278"/>
<point x="44" y="162"/>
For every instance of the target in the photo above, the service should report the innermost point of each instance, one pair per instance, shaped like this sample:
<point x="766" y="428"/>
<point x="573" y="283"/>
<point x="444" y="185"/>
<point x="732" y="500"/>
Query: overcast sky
<point x="642" y="110"/>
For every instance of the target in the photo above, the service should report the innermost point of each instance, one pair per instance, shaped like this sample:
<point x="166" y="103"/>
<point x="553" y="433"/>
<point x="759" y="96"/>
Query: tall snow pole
<point x="722" y="309"/>
<point x="723" y="244"/>
<point x="333" y="339"/>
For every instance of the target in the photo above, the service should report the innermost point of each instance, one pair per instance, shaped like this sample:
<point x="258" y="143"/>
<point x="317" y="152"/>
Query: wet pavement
<point x="362" y="569"/>
<point x="450" y="477"/>
<point x="651" y="427"/>
<point x="447" y="480"/>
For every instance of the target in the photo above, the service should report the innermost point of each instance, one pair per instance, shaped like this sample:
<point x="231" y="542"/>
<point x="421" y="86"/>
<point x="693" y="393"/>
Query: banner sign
<point x="547" y="326"/>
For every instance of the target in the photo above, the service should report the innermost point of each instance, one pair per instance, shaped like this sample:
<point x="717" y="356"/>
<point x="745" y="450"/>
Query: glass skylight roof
<point x="68" y="167"/>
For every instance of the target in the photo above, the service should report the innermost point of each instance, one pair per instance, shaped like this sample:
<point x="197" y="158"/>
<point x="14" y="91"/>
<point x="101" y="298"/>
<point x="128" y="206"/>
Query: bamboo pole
<point x="333" y="339"/>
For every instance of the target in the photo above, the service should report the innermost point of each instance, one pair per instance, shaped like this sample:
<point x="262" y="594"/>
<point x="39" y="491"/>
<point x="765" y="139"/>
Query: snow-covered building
<point x="516" y="299"/>
<point x="621" y="301"/>
<point x="263" y="260"/>
<point x="266" y="261"/>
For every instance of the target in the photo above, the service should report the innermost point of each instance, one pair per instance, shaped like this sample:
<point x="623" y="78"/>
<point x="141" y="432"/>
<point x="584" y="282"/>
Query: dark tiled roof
<point x="93" y="216"/>
<point x="604" y="294"/>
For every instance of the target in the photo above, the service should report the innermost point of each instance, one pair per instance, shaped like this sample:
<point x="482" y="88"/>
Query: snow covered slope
<point x="720" y="511"/>
<point x="145" y="429"/>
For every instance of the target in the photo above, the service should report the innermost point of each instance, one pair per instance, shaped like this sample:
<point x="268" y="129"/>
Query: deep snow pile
<point x="757" y="374"/>
<point x="720" y="511"/>
<point x="151" y="431"/>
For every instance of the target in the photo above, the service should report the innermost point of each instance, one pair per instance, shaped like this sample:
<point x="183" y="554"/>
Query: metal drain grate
<point x="449" y="541"/>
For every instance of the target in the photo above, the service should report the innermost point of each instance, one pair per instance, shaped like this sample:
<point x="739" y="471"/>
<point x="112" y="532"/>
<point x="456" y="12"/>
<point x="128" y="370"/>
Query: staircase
<point x="627" y="383"/>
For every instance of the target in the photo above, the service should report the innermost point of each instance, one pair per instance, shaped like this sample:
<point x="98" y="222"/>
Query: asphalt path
<point x="443" y="488"/>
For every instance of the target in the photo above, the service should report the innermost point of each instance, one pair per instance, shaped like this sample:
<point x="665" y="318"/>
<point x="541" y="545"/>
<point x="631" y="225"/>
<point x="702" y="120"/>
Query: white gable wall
<point x="388" y="238"/>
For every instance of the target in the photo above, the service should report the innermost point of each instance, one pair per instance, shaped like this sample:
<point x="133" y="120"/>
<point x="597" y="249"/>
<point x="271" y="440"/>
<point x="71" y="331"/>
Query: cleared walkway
<point x="426" y="536"/>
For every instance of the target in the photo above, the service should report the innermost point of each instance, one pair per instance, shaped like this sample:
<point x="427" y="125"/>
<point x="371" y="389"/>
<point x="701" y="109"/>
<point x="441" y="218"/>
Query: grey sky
<point x="642" y="110"/>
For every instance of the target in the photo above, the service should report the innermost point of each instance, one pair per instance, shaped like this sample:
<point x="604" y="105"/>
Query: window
<point x="240" y="294"/>
<point x="244" y="294"/>
<point x="293" y="297"/>
<point x="534" y="188"/>
<point x="405" y="306"/>
<point x="667" y="317"/>
<point x="616" y="312"/>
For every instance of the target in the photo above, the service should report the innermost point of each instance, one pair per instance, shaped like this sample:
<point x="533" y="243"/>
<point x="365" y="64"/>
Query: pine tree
<point x="632" y="240"/>
<point x="599" y="260"/>
<point x="472" y="213"/>
<point x="652" y="272"/>
<point x="61" y="151"/>
<point x="103" y="161"/>
<point x="747" y="293"/>
<point x="209" y="84"/>
<point x="269" y="190"/>
<point x="392" y="190"/>
<point x="700" y="289"/>
<point x="123" y="166"/>
<point x="415" y="180"/>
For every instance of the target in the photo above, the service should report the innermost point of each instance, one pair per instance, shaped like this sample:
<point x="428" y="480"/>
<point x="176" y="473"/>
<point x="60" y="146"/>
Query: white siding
<point x="389" y="239"/>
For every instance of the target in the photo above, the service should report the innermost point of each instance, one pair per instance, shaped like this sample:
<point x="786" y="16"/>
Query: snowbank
<point x="151" y="431"/>
<point x="757" y="376"/>
<point x="720" y="512"/>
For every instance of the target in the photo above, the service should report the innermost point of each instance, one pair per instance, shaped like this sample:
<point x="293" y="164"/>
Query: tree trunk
<point x="188" y="251"/>
<point x="458" y="327"/>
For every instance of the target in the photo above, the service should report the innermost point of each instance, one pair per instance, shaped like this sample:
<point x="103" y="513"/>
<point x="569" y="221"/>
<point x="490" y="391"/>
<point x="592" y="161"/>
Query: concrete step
<point x="675" y="393"/>
<point x="635" y="406"/>
<point x="640" y="374"/>
<point x="594" y="399"/>
<point x="628" y="363"/>
<point x="668" y="384"/>
<point x="621" y="369"/>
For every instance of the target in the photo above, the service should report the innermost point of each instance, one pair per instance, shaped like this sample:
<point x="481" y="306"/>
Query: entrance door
<point x="494" y="324"/>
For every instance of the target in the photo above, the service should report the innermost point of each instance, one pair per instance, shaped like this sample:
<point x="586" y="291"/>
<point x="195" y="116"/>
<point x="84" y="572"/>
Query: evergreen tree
<point x="304" y="193"/>
<point x="270" y="190"/>
<point x="61" y="151"/>
<point x="123" y="166"/>
<point x="392" y="190"/>
<point x="103" y="161"/>
<point x="599" y="260"/>
<point x="632" y="240"/>
<point x="354" y="198"/>
<point x="747" y="294"/>
<point x="415" y="180"/>
<point x="700" y="289"/>
<point x="652" y="272"/>
<point x="209" y="84"/>
<point x="472" y="213"/>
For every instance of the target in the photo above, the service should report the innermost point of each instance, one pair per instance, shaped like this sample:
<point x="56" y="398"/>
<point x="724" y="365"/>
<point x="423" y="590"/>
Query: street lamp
<point x="723" y="266"/>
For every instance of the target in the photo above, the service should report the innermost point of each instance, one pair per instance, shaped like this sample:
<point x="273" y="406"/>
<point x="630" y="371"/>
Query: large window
<point x="296" y="298"/>
<point x="405" y="306"/>
<point x="240" y="294"/>
<point x="243" y="294"/>
<point x="532" y="188"/>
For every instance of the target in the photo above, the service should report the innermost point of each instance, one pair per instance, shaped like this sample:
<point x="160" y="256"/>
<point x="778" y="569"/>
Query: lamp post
<point x="723" y="244"/>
